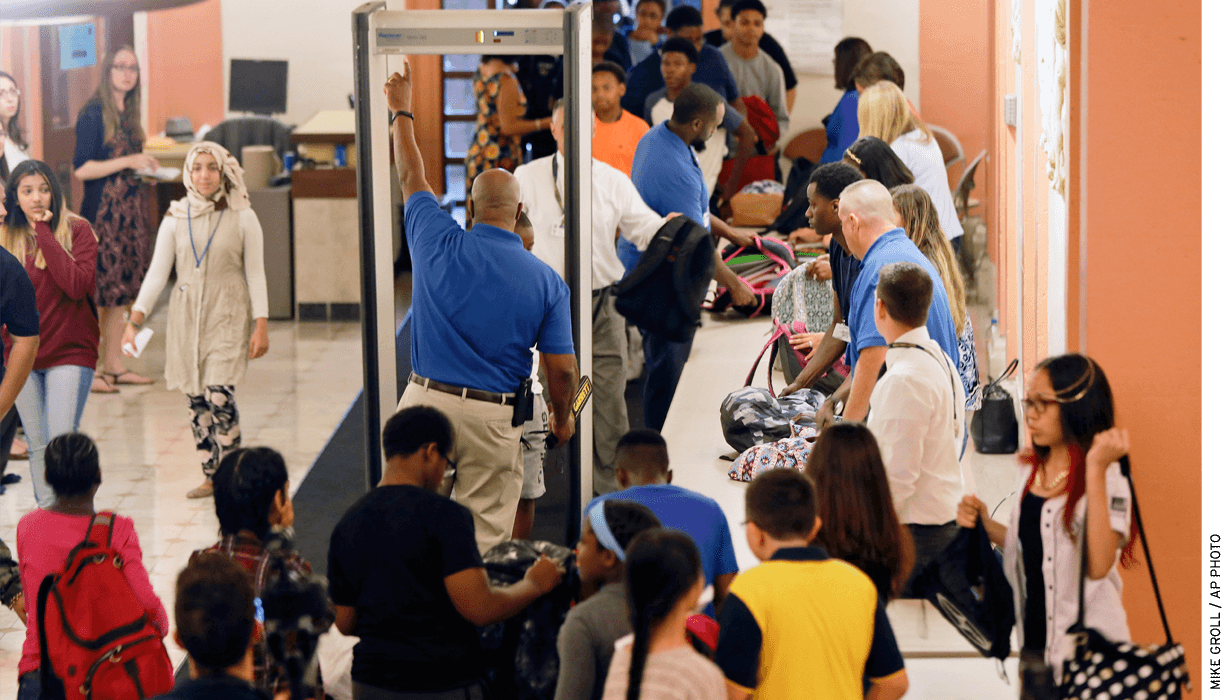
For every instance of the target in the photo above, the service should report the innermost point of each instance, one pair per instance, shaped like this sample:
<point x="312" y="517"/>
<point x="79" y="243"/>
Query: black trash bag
<point x="968" y="586"/>
<point x="523" y="660"/>
<point x="994" y="425"/>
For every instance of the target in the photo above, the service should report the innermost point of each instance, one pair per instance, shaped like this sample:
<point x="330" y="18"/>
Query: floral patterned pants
<point x="215" y="425"/>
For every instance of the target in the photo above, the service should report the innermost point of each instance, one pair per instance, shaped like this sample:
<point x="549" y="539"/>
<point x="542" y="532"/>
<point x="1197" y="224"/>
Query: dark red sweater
<point x="68" y="328"/>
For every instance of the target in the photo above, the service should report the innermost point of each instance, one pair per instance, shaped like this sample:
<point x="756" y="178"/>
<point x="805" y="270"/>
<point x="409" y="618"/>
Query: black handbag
<point x="968" y="586"/>
<point x="994" y="425"/>
<point x="1101" y="668"/>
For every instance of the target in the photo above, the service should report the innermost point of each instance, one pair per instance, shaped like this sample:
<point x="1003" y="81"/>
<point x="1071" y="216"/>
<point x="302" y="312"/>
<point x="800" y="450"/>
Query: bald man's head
<point x="496" y="199"/>
<point x="866" y="212"/>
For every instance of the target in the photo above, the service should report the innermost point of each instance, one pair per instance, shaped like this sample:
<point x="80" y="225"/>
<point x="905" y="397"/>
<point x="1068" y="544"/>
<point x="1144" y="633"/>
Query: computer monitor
<point x="258" y="86"/>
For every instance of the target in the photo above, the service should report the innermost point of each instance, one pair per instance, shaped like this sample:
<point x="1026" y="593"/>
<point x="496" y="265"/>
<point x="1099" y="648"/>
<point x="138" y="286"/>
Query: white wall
<point x="888" y="25"/>
<point x="313" y="35"/>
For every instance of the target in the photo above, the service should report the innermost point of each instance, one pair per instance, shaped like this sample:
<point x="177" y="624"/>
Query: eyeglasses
<point x="126" y="68"/>
<point x="1036" y="404"/>
<point x="10" y="92"/>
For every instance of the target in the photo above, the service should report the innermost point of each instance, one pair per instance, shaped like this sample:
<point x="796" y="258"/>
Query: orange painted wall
<point x="185" y="50"/>
<point x="953" y="45"/>
<point x="1144" y="282"/>
<point x="20" y="56"/>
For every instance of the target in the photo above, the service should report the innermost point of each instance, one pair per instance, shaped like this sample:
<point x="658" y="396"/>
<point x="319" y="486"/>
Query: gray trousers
<point x="610" y="378"/>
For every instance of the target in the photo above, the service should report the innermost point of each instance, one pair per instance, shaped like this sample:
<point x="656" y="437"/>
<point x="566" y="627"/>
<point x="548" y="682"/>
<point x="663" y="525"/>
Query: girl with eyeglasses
<point x="1072" y="487"/>
<point x="109" y="152"/>
<point x="12" y="142"/>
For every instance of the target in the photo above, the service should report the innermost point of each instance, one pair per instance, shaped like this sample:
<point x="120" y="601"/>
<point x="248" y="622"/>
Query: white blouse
<point x="927" y="163"/>
<point x="1061" y="565"/>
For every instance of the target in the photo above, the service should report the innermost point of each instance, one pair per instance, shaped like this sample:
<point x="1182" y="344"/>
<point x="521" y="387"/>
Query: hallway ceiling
<point x="52" y="9"/>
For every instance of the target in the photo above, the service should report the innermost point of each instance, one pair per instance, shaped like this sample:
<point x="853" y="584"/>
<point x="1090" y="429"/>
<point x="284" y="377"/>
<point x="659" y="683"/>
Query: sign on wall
<point x="808" y="30"/>
<point x="77" y="46"/>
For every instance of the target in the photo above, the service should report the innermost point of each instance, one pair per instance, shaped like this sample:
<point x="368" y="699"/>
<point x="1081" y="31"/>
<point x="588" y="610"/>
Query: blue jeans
<point x="29" y="687"/>
<point x="50" y="404"/>
<point x="664" y="362"/>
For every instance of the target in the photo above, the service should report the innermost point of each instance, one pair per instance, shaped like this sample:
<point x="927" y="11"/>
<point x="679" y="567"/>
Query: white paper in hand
<point x="140" y="341"/>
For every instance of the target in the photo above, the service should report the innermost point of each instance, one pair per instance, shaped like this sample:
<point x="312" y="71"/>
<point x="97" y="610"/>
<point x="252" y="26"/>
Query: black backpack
<point x="522" y="662"/>
<point x="794" y="199"/>
<point x="968" y="585"/>
<point x="664" y="292"/>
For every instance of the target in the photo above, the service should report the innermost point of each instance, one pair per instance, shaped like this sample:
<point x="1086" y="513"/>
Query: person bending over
<point x="642" y="466"/>
<point x="802" y="625"/>
<point x="215" y="611"/>
<point x="482" y="303"/>
<point x="407" y="577"/>
<point x="917" y="415"/>
<point x="868" y="224"/>
<point x="587" y="638"/>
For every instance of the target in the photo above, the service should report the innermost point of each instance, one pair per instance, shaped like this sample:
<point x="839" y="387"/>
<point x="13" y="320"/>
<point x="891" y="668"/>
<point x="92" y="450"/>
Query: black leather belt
<point x="463" y="392"/>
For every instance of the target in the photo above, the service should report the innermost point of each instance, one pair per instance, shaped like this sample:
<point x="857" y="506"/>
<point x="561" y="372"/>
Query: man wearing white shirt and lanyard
<point x="917" y="415"/>
<point x="617" y="211"/>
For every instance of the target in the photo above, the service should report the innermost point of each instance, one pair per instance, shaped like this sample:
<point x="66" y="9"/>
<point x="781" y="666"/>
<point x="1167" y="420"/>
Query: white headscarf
<point x="232" y="188"/>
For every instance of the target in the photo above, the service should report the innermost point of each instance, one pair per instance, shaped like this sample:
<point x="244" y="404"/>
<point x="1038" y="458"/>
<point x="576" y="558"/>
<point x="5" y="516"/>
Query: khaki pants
<point x="610" y="378"/>
<point x="487" y="452"/>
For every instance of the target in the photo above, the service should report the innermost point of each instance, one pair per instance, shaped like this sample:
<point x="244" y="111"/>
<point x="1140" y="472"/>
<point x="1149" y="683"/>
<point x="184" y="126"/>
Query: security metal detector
<point x="381" y="36"/>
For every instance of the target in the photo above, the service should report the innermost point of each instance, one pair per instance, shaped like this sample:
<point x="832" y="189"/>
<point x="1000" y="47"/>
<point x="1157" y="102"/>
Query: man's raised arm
<point x="410" y="171"/>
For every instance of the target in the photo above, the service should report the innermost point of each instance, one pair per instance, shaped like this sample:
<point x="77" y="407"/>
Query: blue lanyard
<point x="201" y="257"/>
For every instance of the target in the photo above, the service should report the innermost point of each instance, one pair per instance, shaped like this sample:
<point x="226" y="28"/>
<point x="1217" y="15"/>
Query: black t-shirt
<point x="767" y="44"/>
<point x="1030" y="526"/>
<point x="388" y="558"/>
<point x="18" y="306"/>
<point x="537" y="75"/>
<point x="845" y="270"/>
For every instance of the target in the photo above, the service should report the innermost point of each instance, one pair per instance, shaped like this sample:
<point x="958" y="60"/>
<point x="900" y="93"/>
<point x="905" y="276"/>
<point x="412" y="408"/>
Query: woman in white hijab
<point x="219" y="309"/>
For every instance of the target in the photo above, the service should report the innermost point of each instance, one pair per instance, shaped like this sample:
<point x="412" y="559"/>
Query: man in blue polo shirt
<point x="869" y="226"/>
<point x="481" y="303"/>
<point x="642" y="466"/>
<point x="686" y="22"/>
<point x="669" y="179"/>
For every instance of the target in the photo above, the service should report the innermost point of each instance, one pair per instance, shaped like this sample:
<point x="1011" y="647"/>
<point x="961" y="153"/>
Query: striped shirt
<point x="676" y="674"/>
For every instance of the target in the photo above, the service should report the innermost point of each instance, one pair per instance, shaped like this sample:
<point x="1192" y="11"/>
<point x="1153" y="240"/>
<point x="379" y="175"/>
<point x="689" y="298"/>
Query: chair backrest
<point x="950" y="147"/>
<point x="233" y="134"/>
<point x="960" y="196"/>
<point x="808" y="144"/>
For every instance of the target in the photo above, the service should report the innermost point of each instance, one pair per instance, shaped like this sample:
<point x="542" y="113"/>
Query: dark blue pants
<point x="664" y="362"/>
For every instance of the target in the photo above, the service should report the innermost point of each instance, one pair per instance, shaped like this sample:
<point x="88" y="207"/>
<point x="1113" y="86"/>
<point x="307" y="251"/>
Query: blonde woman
<point x="219" y="310"/>
<point x="58" y="250"/>
<point x="922" y="225"/>
<point x="884" y="112"/>
<point x="109" y="143"/>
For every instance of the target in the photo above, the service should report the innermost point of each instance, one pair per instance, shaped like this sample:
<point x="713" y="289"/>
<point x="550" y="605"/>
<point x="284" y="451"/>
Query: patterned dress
<point x="968" y="367"/>
<point x="116" y="207"/>
<point x="490" y="149"/>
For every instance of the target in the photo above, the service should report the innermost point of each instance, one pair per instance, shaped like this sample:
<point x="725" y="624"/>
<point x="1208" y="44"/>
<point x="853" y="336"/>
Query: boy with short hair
<point x="215" y="610"/>
<point x="642" y="466"/>
<point x="824" y="629"/>
<point x="406" y="576"/>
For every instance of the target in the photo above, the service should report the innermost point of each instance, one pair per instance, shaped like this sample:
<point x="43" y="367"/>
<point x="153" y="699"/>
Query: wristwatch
<point x="399" y="113"/>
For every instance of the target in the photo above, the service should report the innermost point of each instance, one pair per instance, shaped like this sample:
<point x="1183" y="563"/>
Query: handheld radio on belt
<point x="584" y="391"/>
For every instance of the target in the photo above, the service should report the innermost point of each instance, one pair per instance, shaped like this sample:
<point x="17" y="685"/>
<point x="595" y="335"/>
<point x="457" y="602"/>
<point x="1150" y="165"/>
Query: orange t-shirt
<point x="615" y="143"/>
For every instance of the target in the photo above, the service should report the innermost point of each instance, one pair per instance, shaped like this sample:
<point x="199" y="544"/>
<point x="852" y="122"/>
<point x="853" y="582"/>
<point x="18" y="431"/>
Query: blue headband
<point x="597" y="521"/>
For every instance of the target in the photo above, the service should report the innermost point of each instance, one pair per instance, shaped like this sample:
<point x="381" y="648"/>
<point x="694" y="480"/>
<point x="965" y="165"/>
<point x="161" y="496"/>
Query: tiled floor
<point x="291" y="400"/>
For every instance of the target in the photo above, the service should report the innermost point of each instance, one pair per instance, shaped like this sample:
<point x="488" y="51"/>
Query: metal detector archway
<point x="380" y="34"/>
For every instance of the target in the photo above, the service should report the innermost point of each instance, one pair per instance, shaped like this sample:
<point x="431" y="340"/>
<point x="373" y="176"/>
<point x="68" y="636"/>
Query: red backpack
<point x="95" y="640"/>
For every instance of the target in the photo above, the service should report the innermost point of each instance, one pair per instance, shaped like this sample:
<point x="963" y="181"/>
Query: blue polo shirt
<point x="668" y="177"/>
<point x="892" y="247"/>
<point x="646" y="77"/>
<point x="697" y="515"/>
<point x="842" y="128"/>
<point x="481" y="302"/>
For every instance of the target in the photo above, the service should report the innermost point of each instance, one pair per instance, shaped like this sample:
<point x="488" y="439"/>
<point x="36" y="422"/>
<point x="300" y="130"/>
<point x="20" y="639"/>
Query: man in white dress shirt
<point x="617" y="211"/>
<point x="917" y="415"/>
